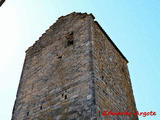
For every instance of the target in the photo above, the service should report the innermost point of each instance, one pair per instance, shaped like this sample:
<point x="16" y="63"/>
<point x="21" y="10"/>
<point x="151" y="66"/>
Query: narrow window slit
<point x="27" y="113"/>
<point x="65" y="96"/>
<point x="69" y="42"/>
<point x="59" y="57"/>
<point x="102" y="77"/>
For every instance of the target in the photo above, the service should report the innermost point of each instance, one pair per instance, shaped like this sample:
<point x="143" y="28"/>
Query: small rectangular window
<point x="70" y="39"/>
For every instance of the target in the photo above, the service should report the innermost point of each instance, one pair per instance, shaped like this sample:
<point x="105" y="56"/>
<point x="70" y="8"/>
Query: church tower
<point x="74" y="72"/>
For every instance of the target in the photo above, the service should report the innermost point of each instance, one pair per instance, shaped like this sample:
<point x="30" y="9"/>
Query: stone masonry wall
<point x="112" y="81"/>
<point x="56" y="78"/>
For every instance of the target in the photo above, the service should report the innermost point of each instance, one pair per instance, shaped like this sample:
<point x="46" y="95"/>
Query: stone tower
<point x="74" y="72"/>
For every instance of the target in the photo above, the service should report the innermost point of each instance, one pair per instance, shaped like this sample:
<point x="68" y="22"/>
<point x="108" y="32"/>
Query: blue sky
<point x="132" y="25"/>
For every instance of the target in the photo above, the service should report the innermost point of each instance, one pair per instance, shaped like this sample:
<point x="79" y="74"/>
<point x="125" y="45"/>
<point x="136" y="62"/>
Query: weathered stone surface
<point x="113" y="90"/>
<point x="73" y="72"/>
